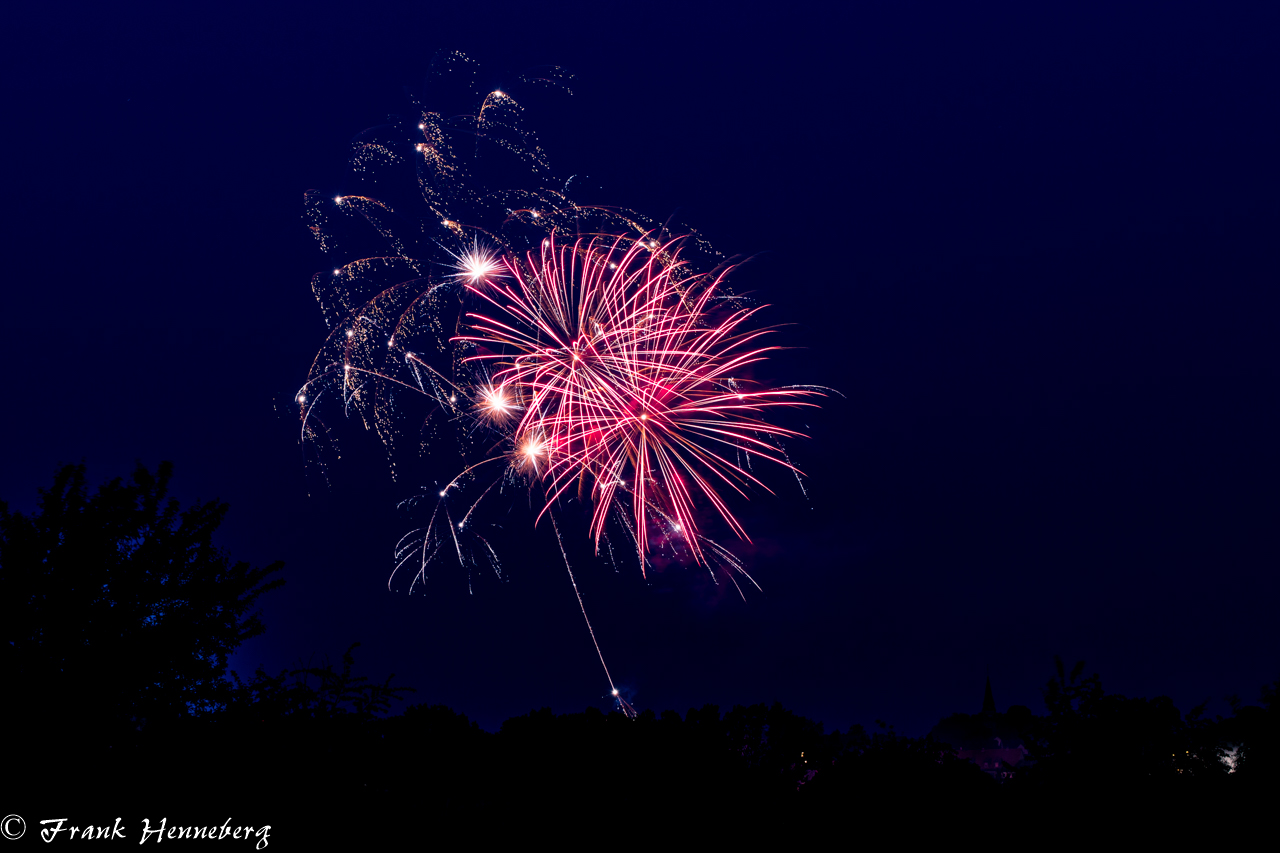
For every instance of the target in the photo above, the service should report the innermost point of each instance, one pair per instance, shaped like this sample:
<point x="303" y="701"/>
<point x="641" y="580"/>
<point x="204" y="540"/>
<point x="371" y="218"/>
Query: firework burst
<point x="575" y="351"/>
<point x="628" y="370"/>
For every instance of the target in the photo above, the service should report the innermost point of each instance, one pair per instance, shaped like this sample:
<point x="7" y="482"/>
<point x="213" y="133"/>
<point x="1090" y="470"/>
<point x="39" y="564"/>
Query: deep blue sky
<point x="1035" y="247"/>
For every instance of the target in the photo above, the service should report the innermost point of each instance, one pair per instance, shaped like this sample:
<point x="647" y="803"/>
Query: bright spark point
<point x="350" y="333"/>
<point x="615" y="691"/>
<point x="442" y="491"/>
<point x="337" y="271"/>
<point x="302" y="398"/>
<point x="422" y="127"/>
<point x="453" y="398"/>
<point x="337" y="199"/>
<point x="494" y="403"/>
<point x="477" y="263"/>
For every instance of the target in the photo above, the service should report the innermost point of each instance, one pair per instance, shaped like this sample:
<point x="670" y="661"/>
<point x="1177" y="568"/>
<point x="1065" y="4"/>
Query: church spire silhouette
<point x="988" y="701"/>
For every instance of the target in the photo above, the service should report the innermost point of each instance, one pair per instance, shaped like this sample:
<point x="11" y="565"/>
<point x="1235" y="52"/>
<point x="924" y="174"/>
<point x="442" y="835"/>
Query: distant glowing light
<point x="337" y="199"/>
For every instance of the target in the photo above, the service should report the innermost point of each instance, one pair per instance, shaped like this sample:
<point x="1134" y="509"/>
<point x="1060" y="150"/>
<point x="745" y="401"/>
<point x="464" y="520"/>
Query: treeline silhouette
<point x="119" y="614"/>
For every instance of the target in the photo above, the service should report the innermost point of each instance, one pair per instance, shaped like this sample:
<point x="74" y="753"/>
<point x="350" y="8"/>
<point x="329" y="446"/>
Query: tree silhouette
<point x="336" y="694"/>
<point x="118" y="611"/>
<point x="1252" y="737"/>
<point x="1098" y="739"/>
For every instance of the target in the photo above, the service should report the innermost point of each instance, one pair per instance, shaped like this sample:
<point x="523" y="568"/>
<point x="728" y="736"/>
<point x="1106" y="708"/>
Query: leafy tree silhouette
<point x="1095" y="739"/>
<point x="325" y="725"/>
<point x="1252" y="736"/>
<point x="336" y="694"/>
<point x="118" y="612"/>
<point x="885" y="767"/>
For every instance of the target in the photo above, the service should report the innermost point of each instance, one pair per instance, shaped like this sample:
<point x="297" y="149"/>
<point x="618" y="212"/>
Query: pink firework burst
<point x="628" y="377"/>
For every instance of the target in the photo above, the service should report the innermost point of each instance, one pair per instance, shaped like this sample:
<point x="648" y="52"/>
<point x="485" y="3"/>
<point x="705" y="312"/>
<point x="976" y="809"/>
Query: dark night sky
<point x="1035" y="248"/>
